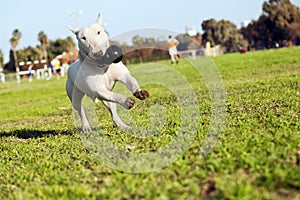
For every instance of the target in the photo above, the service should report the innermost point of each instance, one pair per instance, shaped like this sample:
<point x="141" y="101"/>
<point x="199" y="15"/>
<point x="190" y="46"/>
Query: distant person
<point x="173" y="43"/>
<point x="55" y="65"/>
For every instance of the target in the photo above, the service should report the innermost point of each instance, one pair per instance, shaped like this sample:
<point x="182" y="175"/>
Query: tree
<point x="188" y="43"/>
<point x="59" y="46"/>
<point x="143" y="48"/>
<point x="281" y="12"/>
<point x="260" y="33"/>
<point x="70" y="48"/>
<point x="142" y="42"/>
<point x="293" y="32"/>
<point x="43" y="39"/>
<point x="12" y="65"/>
<point x="70" y="43"/>
<point x="14" y="41"/>
<point x="275" y="26"/>
<point x="224" y="33"/>
<point x="29" y="54"/>
<point x="54" y="48"/>
<point x="209" y="27"/>
<point x="1" y="59"/>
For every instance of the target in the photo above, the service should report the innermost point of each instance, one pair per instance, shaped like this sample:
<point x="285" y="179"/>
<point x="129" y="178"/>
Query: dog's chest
<point x="90" y="78"/>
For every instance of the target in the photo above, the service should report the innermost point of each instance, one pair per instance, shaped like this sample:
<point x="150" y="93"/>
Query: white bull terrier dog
<point x="96" y="72"/>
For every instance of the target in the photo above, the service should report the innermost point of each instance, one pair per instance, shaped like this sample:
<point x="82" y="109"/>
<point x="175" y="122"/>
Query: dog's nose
<point x="101" y="53"/>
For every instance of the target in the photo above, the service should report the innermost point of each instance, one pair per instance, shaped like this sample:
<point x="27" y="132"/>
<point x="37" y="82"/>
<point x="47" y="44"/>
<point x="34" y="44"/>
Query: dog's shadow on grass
<point x="33" y="134"/>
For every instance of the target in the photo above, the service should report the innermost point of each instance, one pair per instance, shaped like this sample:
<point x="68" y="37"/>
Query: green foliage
<point x="1" y="59"/>
<point x="29" y="53"/>
<point x="47" y="49"/>
<point x="16" y="36"/>
<point x="43" y="39"/>
<point x="281" y="12"/>
<point x="224" y="33"/>
<point x="257" y="155"/>
<point x="58" y="46"/>
<point x="140" y="42"/>
<point x="278" y="23"/>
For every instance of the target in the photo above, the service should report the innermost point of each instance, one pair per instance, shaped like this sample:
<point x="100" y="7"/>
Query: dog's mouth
<point x="96" y="55"/>
<point x="99" y="53"/>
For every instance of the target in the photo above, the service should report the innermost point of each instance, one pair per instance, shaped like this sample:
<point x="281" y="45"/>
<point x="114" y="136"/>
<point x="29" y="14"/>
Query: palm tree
<point x="70" y="48"/>
<point x="42" y="37"/>
<point x="70" y="43"/>
<point x="14" y="41"/>
<point x="1" y="59"/>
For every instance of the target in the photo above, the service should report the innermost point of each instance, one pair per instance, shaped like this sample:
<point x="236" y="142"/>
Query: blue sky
<point x="52" y="16"/>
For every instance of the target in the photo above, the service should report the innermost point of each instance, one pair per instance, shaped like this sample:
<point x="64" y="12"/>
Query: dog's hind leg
<point x="112" y="107"/>
<point x="76" y="99"/>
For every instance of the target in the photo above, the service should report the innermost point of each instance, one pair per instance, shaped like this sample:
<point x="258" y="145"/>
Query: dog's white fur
<point x="88" y="77"/>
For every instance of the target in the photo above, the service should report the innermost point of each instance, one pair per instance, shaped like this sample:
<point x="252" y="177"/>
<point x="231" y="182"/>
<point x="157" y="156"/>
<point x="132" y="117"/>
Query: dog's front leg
<point x="121" y="73"/>
<point x="133" y="86"/>
<point x="104" y="94"/>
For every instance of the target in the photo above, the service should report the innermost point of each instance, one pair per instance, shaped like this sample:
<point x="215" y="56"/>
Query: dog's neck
<point x="82" y="56"/>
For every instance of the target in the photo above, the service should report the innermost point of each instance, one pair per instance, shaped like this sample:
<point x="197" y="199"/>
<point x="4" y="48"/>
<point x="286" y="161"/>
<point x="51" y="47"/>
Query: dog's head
<point x="92" y="39"/>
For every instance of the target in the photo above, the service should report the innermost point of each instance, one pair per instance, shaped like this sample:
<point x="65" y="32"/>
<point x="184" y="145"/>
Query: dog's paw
<point x="123" y="127"/>
<point x="142" y="95"/>
<point x="129" y="103"/>
<point x="86" y="128"/>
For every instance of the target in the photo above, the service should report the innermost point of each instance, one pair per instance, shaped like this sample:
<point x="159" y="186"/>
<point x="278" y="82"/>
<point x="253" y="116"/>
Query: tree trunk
<point x="16" y="60"/>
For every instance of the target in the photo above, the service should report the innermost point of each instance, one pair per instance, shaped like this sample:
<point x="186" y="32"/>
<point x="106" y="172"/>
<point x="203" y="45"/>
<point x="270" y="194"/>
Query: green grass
<point x="257" y="155"/>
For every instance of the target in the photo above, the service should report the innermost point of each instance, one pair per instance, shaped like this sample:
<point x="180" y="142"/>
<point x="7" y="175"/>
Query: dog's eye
<point x="98" y="32"/>
<point x="84" y="38"/>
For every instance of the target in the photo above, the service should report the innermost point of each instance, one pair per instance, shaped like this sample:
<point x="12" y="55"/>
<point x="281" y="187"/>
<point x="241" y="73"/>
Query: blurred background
<point x="36" y="30"/>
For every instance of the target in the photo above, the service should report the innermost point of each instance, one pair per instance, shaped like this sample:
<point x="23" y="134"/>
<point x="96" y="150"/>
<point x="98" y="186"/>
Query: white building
<point x="191" y="30"/>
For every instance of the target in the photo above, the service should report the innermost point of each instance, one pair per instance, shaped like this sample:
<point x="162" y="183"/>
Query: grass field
<point x="257" y="155"/>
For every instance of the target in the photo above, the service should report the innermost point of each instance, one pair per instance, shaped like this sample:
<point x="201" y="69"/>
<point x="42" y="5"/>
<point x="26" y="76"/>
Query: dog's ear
<point x="73" y="29"/>
<point x="100" y="19"/>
